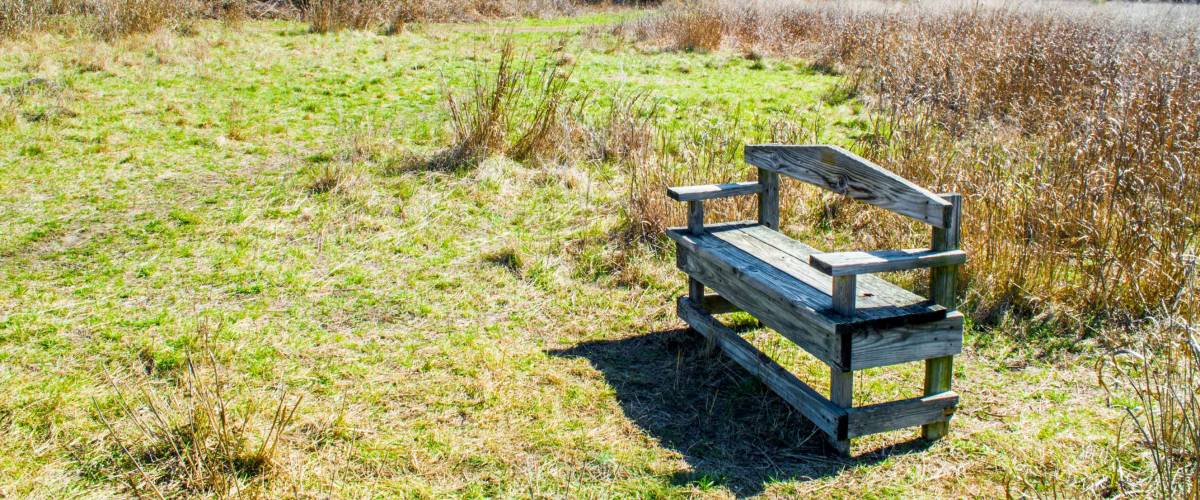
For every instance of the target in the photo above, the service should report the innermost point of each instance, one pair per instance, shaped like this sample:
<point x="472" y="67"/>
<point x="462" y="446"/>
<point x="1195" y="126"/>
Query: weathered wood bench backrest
<point x="845" y="173"/>
<point x="840" y="171"/>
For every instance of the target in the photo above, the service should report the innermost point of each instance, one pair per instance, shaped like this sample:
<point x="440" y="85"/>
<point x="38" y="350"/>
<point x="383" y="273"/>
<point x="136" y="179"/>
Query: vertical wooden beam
<point x="841" y="393"/>
<point x="939" y="372"/>
<point x="695" y="217"/>
<point x="844" y="292"/>
<point x="841" y="383"/>
<point x="768" y="199"/>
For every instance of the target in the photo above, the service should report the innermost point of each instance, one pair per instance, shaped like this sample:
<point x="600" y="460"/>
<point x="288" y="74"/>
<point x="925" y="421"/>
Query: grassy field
<point x="472" y="332"/>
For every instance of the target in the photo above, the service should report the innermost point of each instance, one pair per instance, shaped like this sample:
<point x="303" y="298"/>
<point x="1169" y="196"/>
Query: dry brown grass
<point x="523" y="110"/>
<point x="1160" y="384"/>
<point x="195" y="437"/>
<point x="325" y="16"/>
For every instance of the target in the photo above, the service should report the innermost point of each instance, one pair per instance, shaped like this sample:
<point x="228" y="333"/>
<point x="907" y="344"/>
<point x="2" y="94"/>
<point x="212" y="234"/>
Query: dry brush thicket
<point x="110" y="18"/>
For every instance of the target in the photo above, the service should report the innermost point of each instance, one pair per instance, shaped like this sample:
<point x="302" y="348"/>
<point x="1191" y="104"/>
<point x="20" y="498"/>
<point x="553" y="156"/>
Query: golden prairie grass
<point x="1074" y="137"/>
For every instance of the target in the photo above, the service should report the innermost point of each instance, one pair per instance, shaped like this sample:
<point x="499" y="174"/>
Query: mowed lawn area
<point x="474" y="332"/>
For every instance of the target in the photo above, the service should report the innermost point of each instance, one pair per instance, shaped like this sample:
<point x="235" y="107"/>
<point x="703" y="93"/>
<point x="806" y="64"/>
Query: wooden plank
<point x="696" y="290"/>
<point x="942" y="279"/>
<point x="777" y="301"/>
<point x="880" y="304"/>
<point x="712" y="191"/>
<point x="841" y="393"/>
<point x="939" y="372"/>
<point x="879" y="261"/>
<point x="695" y="217"/>
<point x="843" y="172"/>
<point x="768" y="199"/>
<point x="905" y="344"/>
<point x="844" y="294"/>
<point x="828" y="417"/>
<point x="901" y="414"/>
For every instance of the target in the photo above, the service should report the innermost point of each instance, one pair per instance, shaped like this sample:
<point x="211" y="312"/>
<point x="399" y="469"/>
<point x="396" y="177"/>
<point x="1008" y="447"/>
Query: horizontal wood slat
<point x="879" y="261"/>
<point x="712" y="191"/>
<point x="843" y="172"/>
<point x="894" y="415"/>
<point x="903" y="344"/>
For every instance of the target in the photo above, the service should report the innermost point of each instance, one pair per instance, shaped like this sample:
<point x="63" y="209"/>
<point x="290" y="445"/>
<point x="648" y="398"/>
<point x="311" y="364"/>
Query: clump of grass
<point x="695" y="30"/>
<point x="1158" y="383"/>
<point x="507" y="257"/>
<point x="195" y="438"/>
<point x="325" y="16"/>
<point x="523" y="110"/>
<point x="115" y="18"/>
<point x="330" y="177"/>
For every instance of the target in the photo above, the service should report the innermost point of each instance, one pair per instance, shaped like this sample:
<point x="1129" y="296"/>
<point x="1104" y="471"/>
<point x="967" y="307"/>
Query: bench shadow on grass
<point x="731" y="430"/>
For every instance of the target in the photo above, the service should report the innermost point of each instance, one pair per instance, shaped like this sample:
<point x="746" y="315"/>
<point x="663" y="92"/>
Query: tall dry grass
<point x="1160" y="392"/>
<point x="196" y="437"/>
<point x="1075" y="137"/>
<point x="523" y="109"/>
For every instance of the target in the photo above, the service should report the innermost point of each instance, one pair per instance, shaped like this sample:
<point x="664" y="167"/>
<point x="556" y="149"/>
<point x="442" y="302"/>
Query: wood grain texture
<point x="843" y="172"/>
<point x="904" y="344"/>
<point x="844" y="292"/>
<point x="894" y="415"/>
<point x="939" y="372"/>
<point x="841" y="393"/>
<point x="695" y="217"/>
<point x="879" y="303"/>
<point x="713" y="191"/>
<point x="828" y="417"/>
<point x="768" y="199"/>
<point x="942" y="285"/>
<point x="781" y="303"/>
<point x="880" y="261"/>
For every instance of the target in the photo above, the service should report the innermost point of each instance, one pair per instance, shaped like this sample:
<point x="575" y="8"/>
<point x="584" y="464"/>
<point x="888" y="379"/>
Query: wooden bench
<point x="828" y="303"/>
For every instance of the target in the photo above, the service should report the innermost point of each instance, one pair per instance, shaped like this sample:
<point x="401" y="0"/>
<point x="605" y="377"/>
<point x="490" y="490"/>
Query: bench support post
<point x="841" y="393"/>
<point x="939" y="372"/>
<point x="841" y="383"/>
<point x="768" y="198"/>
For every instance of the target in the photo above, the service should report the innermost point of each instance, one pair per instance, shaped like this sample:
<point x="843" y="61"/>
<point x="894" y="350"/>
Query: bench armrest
<point x="853" y="263"/>
<point x="711" y="191"/>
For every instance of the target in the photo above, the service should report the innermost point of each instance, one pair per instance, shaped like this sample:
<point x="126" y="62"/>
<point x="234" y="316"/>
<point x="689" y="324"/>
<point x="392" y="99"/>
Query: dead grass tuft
<point x="1158" y="384"/>
<point x="197" y="438"/>
<point x="325" y="16"/>
<point x="522" y="110"/>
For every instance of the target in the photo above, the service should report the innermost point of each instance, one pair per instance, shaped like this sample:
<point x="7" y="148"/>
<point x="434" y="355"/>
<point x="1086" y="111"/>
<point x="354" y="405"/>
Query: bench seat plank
<point x="782" y="265"/>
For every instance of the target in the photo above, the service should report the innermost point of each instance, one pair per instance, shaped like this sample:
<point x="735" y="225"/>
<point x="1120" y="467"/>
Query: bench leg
<point x="696" y="295"/>
<point x="841" y="393"/>
<point x="938" y="374"/>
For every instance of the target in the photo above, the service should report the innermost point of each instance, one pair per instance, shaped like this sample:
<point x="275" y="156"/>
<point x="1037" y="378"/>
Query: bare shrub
<point x="196" y="437"/>
<point x="523" y="110"/>
<point x="1158" y="383"/>
<point x="326" y="16"/>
